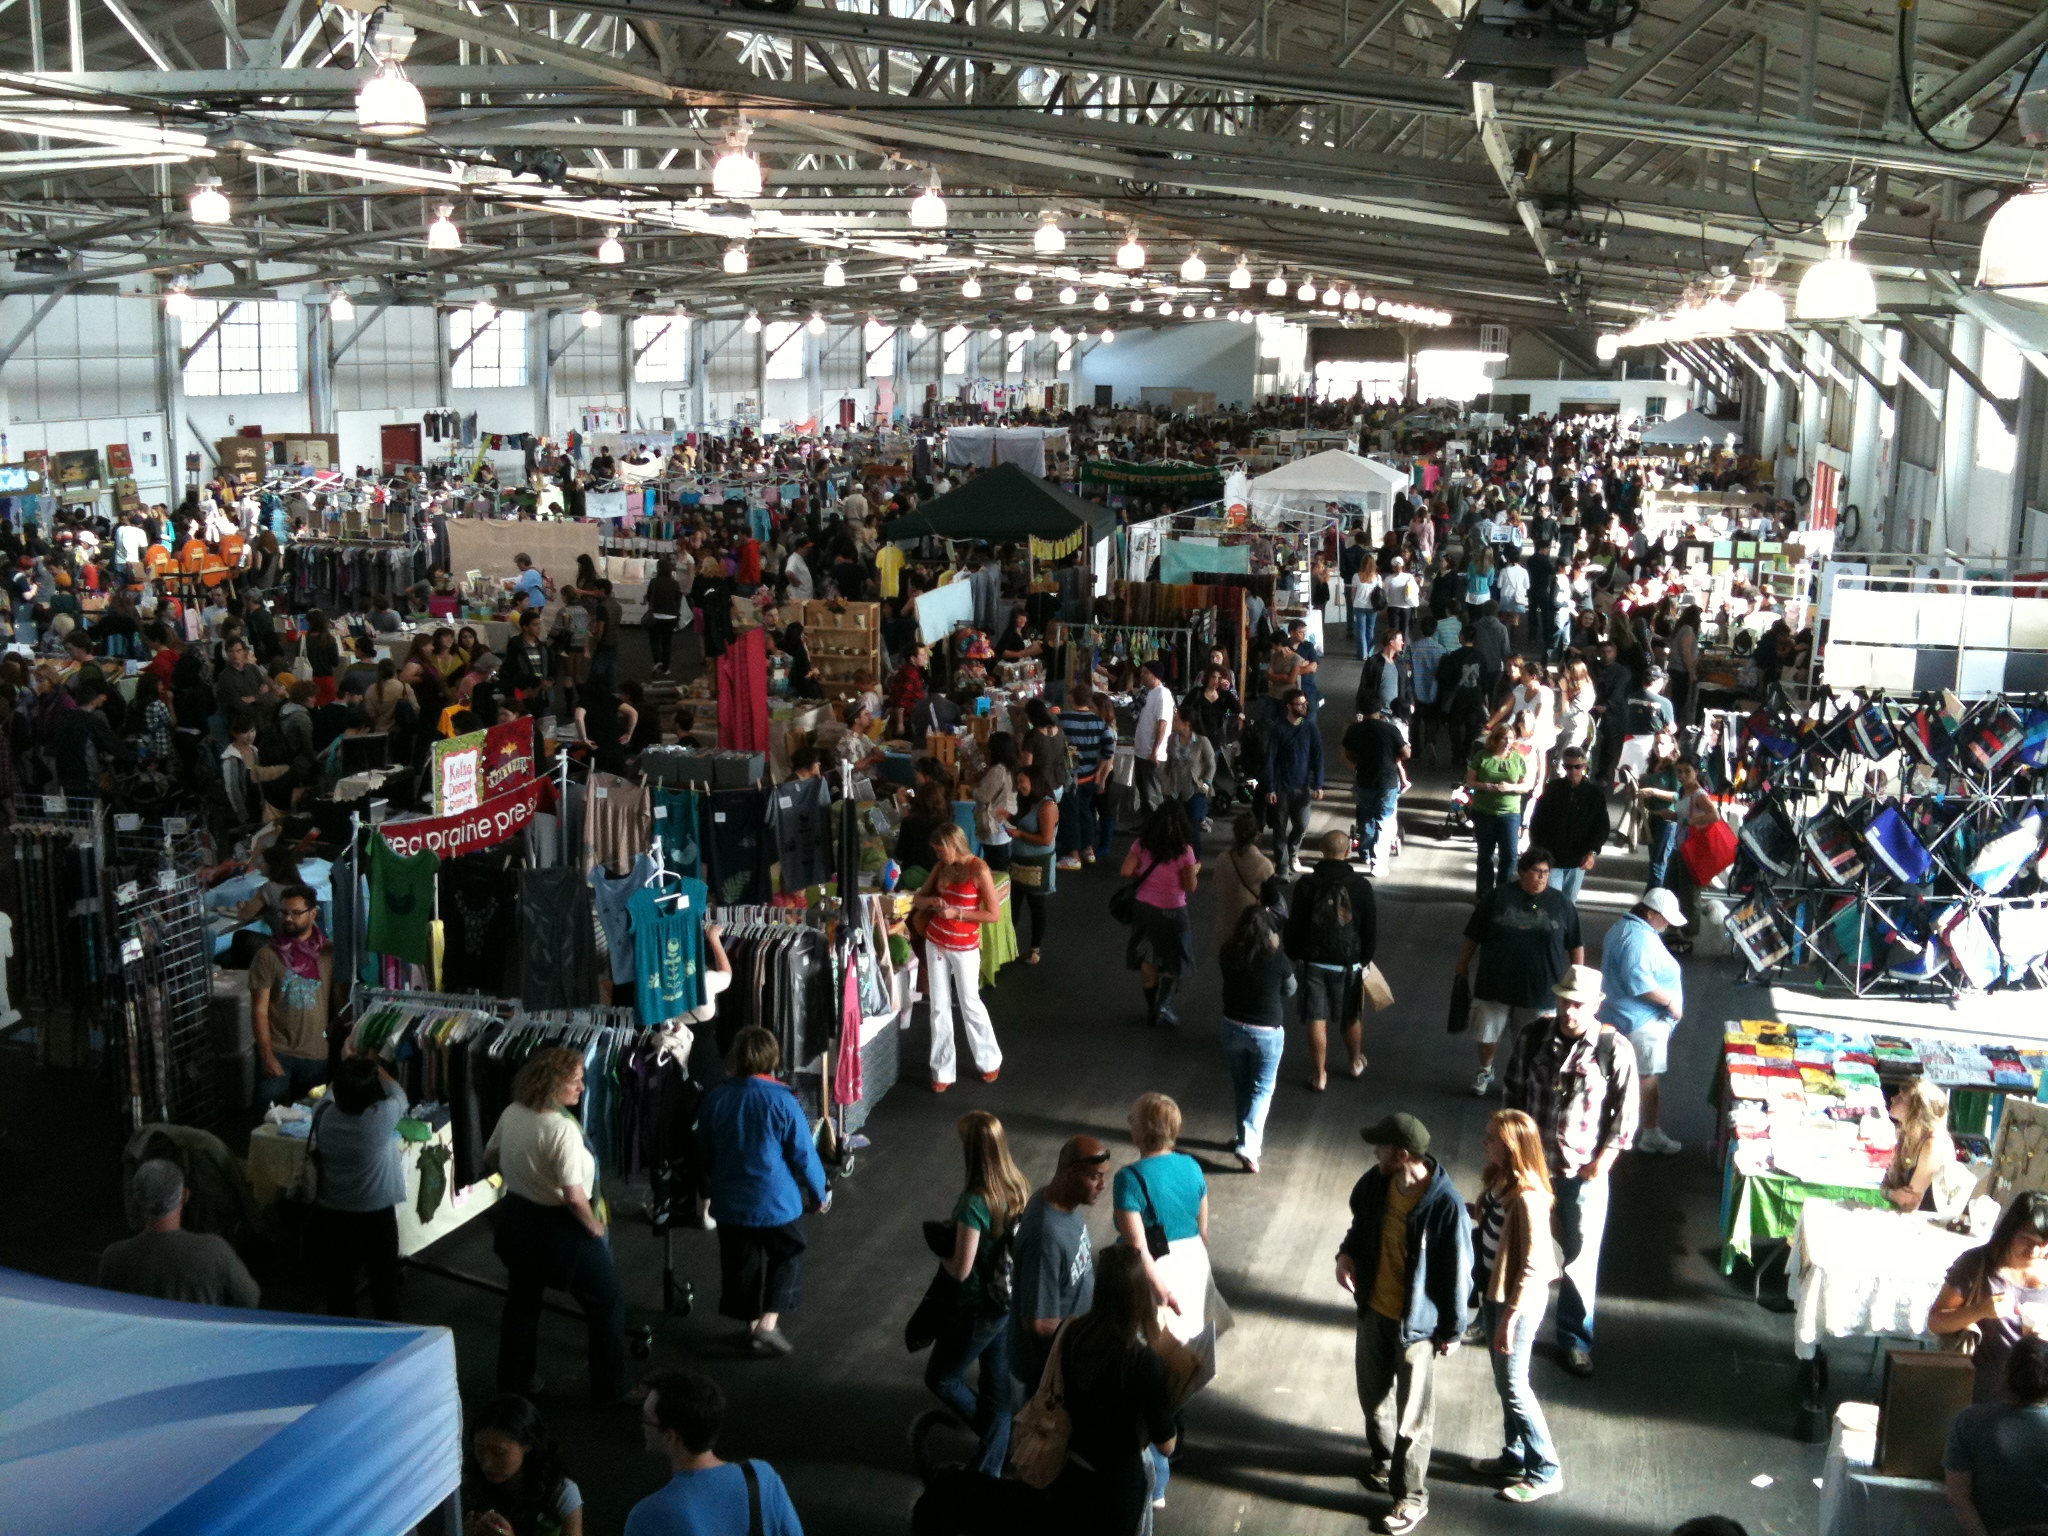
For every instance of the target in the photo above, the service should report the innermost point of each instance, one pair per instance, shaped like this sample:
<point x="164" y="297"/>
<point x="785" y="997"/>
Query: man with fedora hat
<point x="1408" y="1261"/>
<point x="1645" y="998"/>
<point x="1573" y="1076"/>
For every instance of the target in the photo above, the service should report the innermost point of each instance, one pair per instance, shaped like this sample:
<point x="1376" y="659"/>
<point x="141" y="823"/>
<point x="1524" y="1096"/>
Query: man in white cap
<point x="1645" y="998"/>
<point x="1572" y="1075"/>
<point x="1403" y="596"/>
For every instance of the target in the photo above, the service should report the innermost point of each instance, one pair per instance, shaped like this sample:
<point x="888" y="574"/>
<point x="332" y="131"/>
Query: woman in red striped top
<point x="960" y="896"/>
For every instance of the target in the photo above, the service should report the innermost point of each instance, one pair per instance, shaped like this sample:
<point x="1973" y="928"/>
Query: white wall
<point x="1547" y="395"/>
<point x="1216" y="355"/>
<point x="90" y="357"/>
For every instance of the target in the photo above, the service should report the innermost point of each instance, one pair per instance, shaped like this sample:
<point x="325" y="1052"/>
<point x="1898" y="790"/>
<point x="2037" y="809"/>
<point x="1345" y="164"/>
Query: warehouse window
<point x="782" y="343"/>
<point x="661" y="350"/>
<point x="496" y="358"/>
<point x="880" y="342"/>
<point x="254" y="350"/>
<point x="956" y="340"/>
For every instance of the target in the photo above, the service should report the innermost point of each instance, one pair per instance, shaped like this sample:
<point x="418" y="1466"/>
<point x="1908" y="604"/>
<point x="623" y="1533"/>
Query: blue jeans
<point x="1378" y="819"/>
<point x="1161" y="1471"/>
<point x="1663" y="843"/>
<point x="1524" y="1431"/>
<point x="1581" y="1222"/>
<point x="1198" y="809"/>
<point x="1077" y="817"/>
<point x="1363" y="620"/>
<point x="302" y="1074"/>
<point x="1568" y="882"/>
<point x="1251" y="1054"/>
<point x="969" y="1336"/>
<point x="1105" y="822"/>
<point x="1499" y="838"/>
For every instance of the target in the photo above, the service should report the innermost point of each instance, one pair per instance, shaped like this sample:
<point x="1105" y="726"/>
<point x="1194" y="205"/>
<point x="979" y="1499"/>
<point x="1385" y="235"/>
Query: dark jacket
<point x="1570" y="820"/>
<point x="1294" y="755"/>
<point x="1295" y="936"/>
<point x="1439" y="1254"/>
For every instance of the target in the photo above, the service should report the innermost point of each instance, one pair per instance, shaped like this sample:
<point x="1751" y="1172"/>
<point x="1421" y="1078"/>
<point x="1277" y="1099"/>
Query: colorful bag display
<point x="1892" y="843"/>
<point x="2001" y="861"/>
<point x="1873" y="734"/>
<point x="1768" y="837"/>
<point x="1832" y="849"/>
<point x="1993" y="742"/>
<point x="1754" y="931"/>
<point x="1969" y="945"/>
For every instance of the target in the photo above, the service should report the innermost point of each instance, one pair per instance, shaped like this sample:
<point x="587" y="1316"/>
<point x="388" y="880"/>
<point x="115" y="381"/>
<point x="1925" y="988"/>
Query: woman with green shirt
<point x="1498" y="777"/>
<point x="984" y="1225"/>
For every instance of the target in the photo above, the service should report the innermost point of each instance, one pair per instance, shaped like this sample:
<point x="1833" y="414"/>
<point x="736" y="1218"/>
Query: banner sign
<point x="490" y="823"/>
<point x="482" y="765"/>
<point x="1115" y="472"/>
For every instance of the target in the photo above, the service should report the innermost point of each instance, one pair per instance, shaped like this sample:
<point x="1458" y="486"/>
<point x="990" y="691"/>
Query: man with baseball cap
<point x="1645" y="998"/>
<point x="1408" y="1261"/>
<point x="1572" y="1076"/>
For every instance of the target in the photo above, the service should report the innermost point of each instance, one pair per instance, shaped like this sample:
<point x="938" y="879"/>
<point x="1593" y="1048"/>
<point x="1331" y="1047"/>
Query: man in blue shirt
<point x="706" y="1496"/>
<point x="1311" y="660"/>
<point x="527" y="589"/>
<point x="1645" y="998"/>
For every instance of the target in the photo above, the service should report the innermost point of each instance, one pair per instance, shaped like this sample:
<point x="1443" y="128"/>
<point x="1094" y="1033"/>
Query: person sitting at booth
<point x="1925" y="1148"/>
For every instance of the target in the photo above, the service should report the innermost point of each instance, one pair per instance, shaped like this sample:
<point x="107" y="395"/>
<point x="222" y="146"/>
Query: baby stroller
<point x="1458" y="814"/>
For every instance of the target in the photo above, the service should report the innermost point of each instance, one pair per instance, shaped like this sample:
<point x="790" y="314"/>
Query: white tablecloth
<point x="1854" y="1501"/>
<point x="275" y="1160"/>
<point x="1859" y="1272"/>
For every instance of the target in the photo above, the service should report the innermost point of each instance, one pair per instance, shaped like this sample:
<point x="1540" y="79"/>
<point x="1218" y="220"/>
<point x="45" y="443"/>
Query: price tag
<point x="176" y="826"/>
<point x="127" y="821"/>
<point x="167" y="879"/>
<point x="599" y="794"/>
<point x="131" y="951"/>
<point x="53" y="805"/>
<point x="661" y="813"/>
<point x="126" y="892"/>
<point x="719" y="817"/>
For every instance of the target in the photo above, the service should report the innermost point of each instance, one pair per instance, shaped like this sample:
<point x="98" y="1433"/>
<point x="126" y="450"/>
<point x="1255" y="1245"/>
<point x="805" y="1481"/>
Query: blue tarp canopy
<point x="121" y="1414"/>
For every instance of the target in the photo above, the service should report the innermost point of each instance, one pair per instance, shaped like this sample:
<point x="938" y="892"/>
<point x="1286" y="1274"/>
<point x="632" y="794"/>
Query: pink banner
<point x="451" y="836"/>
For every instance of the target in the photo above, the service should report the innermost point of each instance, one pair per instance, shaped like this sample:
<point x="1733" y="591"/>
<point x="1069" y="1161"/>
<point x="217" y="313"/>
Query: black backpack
<point x="1332" y="925"/>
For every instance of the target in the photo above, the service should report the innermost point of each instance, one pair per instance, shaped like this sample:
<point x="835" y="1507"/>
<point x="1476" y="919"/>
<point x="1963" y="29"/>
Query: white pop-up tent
<point x="1689" y="430"/>
<point x="1311" y="484"/>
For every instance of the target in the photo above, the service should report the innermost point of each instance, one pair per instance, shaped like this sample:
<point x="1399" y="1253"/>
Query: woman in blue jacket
<point x="764" y="1172"/>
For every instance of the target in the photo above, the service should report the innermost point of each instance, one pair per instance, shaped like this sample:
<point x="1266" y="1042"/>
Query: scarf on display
<point x="302" y="956"/>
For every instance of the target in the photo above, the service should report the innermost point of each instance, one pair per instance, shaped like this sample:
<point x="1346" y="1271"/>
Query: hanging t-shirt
<point x="401" y="902"/>
<point x="799" y="814"/>
<point x="614" y="913"/>
<point x="668" y="947"/>
<point x="676" y="830"/>
<point x="889" y="565"/>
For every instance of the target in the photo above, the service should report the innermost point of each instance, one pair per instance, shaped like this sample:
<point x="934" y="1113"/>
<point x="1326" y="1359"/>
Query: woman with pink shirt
<point x="1162" y="943"/>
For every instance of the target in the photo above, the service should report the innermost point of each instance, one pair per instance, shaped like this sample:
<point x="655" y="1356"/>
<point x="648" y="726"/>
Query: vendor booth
<point x="126" y="1414"/>
<point x="1005" y="505"/>
<point x="1692" y="429"/>
<point x="1334" y="478"/>
<point x="1027" y="448"/>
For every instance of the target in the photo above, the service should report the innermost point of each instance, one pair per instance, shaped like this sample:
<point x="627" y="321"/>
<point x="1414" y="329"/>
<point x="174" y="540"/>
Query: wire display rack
<point x="57" y="849"/>
<point x="158" y="842"/>
<point x="165" y="996"/>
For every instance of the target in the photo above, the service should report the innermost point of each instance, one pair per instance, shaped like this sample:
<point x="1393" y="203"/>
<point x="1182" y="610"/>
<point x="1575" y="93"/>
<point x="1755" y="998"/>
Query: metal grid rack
<point x="57" y="847"/>
<point x="165" y="1002"/>
<point x="158" y="842"/>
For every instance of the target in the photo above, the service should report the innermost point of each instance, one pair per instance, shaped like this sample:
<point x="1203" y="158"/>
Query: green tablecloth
<point x="999" y="938"/>
<point x="1766" y="1207"/>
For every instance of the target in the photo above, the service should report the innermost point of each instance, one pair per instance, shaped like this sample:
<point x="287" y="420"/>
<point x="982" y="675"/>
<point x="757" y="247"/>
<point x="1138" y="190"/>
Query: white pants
<point x="958" y="971"/>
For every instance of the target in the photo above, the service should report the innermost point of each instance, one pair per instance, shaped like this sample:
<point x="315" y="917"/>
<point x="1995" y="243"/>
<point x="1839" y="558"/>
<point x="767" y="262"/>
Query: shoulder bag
<point x="1040" y="1433"/>
<point x="1156" y="1242"/>
<point x="1123" y="901"/>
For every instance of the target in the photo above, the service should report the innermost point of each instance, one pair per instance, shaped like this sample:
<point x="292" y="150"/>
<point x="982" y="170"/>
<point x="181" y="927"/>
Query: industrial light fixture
<point x="1022" y="293"/>
<point x="1101" y="304"/>
<point x="907" y="283"/>
<point x="1840" y="288"/>
<point x="835" y="274"/>
<point x="1351" y="298"/>
<point x="1194" y="269"/>
<point x="1108" y="336"/>
<point x="1029" y="333"/>
<point x="592" y="319"/>
<point x="735" y="259"/>
<point x="341" y="308"/>
<point x="209" y="205"/>
<point x="816" y="324"/>
<point x="1059" y="336"/>
<point x="1331" y="297"/>
<point x="971" y="288"/>
<point x="928" y="209"/>
<point x="2014" y="260"/>
<point x="1246" y="317"/>
<point x="387" y="104"/>
<point x="1048" y="239"/>
<point x="1231" y="316"/>
<point x="1209" y="312"/>
<point x="1307" y="291"/>
<point x="1187" y="311"/>
<point x="1166" y="306"/>
<point x="1069" y="294"/>
<point x="1607" y="346"/>
<point x="178" y="303"/>
<point x="917" y="330"/>
<point x="610" y="253"/>
<point x="483" y="311"/>
<point x="1137" y="306"/>
<point x="1241" y="275"/>
<point x="736" y="172"/>
<point x="1277" y="287"/>
<point x="995" y="333"/>
<point x="752" y="324"/>
<point x="1130" y="256"/>
<point x="442" y="235"/>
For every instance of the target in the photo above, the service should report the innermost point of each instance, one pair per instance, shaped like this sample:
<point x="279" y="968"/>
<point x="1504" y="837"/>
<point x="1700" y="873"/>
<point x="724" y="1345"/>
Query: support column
<point x="540" y="369"/>
<point x="319" y="333"/>
<point x="1866" y="447"/>
<point x="170" y="399"/>
<point x="1959" y="440"/>
<point x="624" y="352"/>
<point x="443" y="366"/>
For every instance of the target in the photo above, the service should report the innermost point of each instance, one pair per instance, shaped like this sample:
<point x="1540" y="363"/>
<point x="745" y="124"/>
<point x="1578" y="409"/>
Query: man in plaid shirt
<point x="1576" y="1078"/>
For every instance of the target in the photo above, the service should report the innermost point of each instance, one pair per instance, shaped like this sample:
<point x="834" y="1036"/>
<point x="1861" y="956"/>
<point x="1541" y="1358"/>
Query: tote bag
<point x="1708" y="850"/>
<point x="1042" y="1429"/>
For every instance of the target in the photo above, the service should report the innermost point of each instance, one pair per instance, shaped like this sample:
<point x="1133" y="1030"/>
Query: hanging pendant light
<point x="1069" y="294"/>
<point x="735" y="259"/>
<point x="1241" y="275"/>
<point x="835" y="274"/>
<point x="1048" y="239"/>
<point x="178" y="302"/>
<point x="2014" y="260"/>
<point x="1130" y="256"/>
<point x="1331" y="297"/>
<point x="928" y="209"/>
<point x="341" y="308"/>
<point x="736" y="173"/>
<point x="1306" y="293"/>
<point x="1607" y="346"/>
<point x="1137" y="306"/>
<point x="208" y="204"/>
<point x="917" y="330"/>
<point x="389" y="105"/>
<point x="592" y="319"/>
<point x="1101" y="304"/>
<point x="995" y="333"/>
<point x="610" y="253"/>
<point x="1276" y="288"/>
<point x="1351" y="299"/>
<point x="1022" y="293"/>
<point x="1761" y="308"/>
<point x="1208" y="311"/>
<point x="483" y="311"/>
<point x="1840" y="288"/>
<point x="752" y="324"/>
<point x="1194" y="269"/>
<point x="1166" y="306"/>
<point x="1187" y="311"/>
<point x="1107" y="336"/>
<point x="816" y="324"/>
<point x="971" y="288"/>
<point x="1059" y="336"/>
<point x="907" y="283"/>
<point x="442" y="235"/>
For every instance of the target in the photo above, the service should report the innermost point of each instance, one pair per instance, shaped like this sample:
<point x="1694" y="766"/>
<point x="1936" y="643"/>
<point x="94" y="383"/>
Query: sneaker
<point x="1482" y="1085"/>
<point x="939" y="1087"/>
<point x="1503" y="1465"/>
<point x="1247" y="1162"/>
<point x="989" y="1077"/>
<point x="1528" y="1490"/>
<point x="1579" y="1361"/>
<point x="1403" y="1517"/>
<point x="1071" y="862"/>
<point x="1654" y="1140"/>
<point x="770" y="1342"/>
<point x="1377" y="1479"/>
<point x="1087" y="856"/>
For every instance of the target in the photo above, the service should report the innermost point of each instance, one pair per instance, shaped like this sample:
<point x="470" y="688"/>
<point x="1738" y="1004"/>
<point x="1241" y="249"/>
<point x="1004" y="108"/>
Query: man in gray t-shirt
<point x="1997" y="1458"/>
<point x="1055" y="1262"/>
<point x="166" y="1261"/>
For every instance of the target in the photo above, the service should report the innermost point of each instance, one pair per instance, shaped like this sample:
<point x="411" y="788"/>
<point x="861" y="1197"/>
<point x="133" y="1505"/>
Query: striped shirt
<point x="1092" y="738"/>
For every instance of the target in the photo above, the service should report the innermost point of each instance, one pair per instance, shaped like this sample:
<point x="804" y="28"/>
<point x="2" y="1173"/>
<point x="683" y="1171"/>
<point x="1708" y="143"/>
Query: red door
<point x="400" y="446"/>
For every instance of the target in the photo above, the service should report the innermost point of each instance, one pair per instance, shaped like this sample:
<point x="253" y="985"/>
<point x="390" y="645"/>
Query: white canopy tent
<point x="1311" y="484"/>
<point x="1689" y="430"/>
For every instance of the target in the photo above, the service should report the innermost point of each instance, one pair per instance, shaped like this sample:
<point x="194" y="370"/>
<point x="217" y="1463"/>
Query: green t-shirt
<point x="1665" y="779"/>
<point x="1508" y="769"/>
<point x="972" y="1211"/>
<point x="401" y="903"/>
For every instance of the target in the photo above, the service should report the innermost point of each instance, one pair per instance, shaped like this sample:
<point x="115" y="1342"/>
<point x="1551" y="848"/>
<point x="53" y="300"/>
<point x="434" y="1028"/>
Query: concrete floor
<point x="1691" y="1407"/>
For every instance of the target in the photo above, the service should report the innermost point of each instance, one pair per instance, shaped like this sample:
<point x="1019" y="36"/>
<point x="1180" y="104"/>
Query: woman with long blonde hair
<point x="984" y="1225"/>
<point x="1512" y="1221"/>
<point x="1925" y="1147"/>
<point x="1575" y="700"/>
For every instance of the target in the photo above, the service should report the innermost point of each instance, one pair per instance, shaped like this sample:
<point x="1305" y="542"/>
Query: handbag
<point x="1123" y="901"/>
<point x="1028" y="874"/>
<point x="940" y="1297"/>
<point x="1042" y="1429"/>
<point x="1461" y="1006"/>
<point x="1708" y="850"/>
<point x="1375" y="987"/>
<point x="1156" y="1242"/>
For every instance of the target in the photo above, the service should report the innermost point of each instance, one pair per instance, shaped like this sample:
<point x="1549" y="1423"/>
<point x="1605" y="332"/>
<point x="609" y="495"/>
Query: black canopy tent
<point x="1004" y="505"/>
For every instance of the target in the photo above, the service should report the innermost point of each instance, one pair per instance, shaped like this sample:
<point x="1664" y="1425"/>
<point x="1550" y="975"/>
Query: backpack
<point x="1379" y="597"/>
<point x="1332" y="930"/>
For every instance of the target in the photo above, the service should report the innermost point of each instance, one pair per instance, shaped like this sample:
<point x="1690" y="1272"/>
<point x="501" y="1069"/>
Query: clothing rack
<point x="1126" y="640"/>
<point x="59" y="848"/>
<point x="165" y="992"/>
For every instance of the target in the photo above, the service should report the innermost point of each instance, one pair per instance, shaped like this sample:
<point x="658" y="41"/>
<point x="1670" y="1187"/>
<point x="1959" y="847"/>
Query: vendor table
<point x="275" y="1160"/>
<point x="1860" y="1273"/>
<point x="1854" y="1501"/>
<point x="1765" y="1207"/>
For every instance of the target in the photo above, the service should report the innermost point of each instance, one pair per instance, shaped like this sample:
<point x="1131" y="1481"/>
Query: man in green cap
<point x="1408" y="1261"/>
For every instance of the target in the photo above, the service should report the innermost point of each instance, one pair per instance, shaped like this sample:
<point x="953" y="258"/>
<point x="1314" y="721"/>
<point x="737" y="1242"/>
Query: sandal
<point x="1358" y="1066"/>
<point x="1319" y="1084"/>
<point x="1032" y="958"/>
